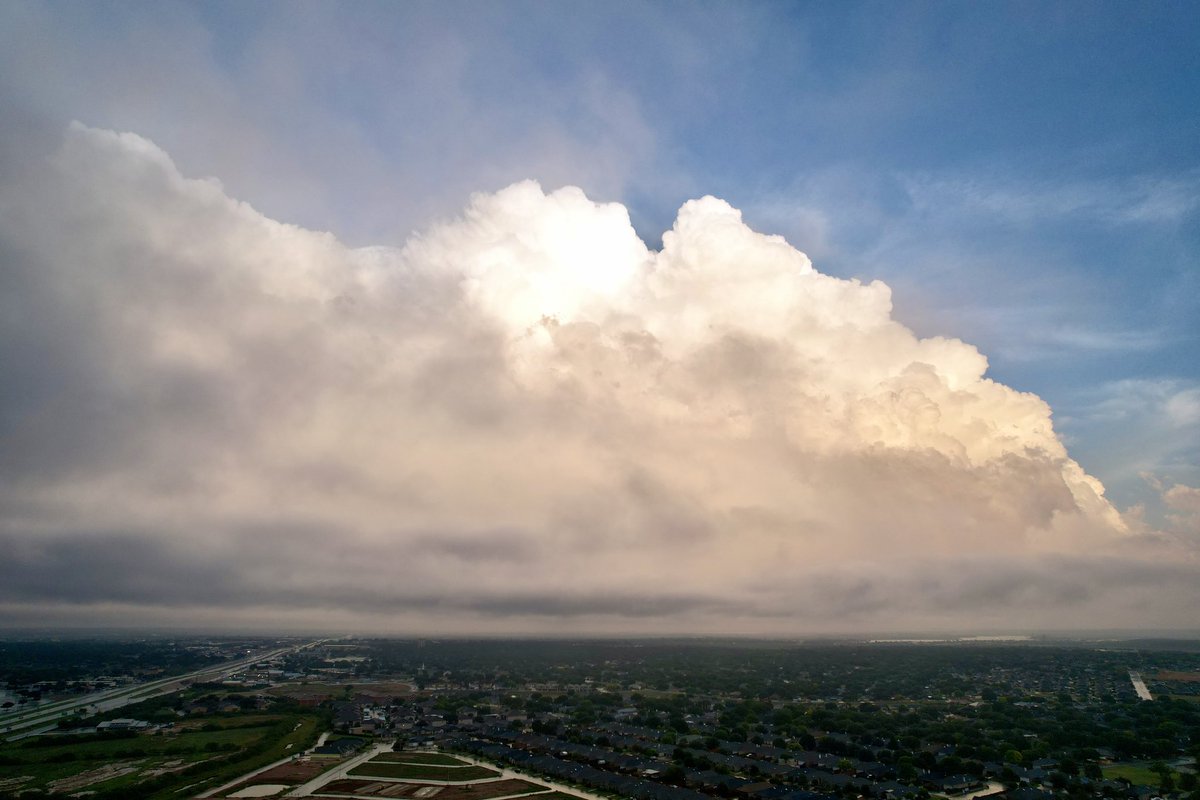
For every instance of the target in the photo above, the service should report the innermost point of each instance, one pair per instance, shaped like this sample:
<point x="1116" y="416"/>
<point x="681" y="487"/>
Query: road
<point x="314" y="786"/>
<point x="30" y="721"/>
<point x="339" y="772"/>
<point x="533" y="777"/>
<point x="992" y="787"/>
<point x="1139" y="686"/>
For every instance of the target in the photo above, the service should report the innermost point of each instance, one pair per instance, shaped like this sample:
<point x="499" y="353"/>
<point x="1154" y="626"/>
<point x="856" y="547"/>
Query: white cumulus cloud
<point x="521" y="420"/>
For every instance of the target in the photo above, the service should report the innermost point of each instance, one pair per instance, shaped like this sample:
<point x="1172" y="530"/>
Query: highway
<point x="30" y="721"/>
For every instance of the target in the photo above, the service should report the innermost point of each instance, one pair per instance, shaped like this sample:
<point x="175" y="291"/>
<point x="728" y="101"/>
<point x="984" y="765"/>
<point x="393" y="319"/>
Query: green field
<point x="1135" y="773"/>
<point x="431" y="759"/>
<point x="385" y="769"/>
<point x="147" y="765"/>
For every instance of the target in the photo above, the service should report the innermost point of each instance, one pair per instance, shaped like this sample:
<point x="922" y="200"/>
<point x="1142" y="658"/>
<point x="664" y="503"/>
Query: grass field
<point x="1135" y="773"/>
<point x="302" y="735"/>
<point x="391" y="769"/>
<point x="433" y="759"/>
<point x="156" y="764"/>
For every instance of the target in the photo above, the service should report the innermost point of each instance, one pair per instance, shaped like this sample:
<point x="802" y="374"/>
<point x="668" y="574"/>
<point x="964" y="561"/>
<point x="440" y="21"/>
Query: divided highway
<point x="30" y="721"/>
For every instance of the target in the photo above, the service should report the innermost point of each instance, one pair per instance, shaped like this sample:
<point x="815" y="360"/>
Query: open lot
<point x="390" y="769"/>
<point x="290" y="774"/>
<point x="433" y="759"/>
<point x="293" y="772"/>
<point x="475" y="791"/>
<point x="322" y="691"/>
<point x="1134" y="773"/>
<point x="207" y="752"/>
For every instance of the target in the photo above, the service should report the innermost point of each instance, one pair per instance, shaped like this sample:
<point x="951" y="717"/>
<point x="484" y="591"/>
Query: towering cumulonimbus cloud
<point x="523" y="420"/>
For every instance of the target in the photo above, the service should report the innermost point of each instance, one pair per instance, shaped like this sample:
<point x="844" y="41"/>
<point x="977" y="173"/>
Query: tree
<point x="674" y="774"/>
<point x="951" y="765"/>
<point x="1166" y="780"/>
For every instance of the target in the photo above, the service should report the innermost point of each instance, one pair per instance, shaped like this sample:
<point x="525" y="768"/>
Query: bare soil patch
<point x="262" y="790"/>
<point x="290" y="774"/>
<point x="376" y="768"/>
<point x="104" y="773"/>
<point x="320" y="691"/>
<point x="416" y="791"/>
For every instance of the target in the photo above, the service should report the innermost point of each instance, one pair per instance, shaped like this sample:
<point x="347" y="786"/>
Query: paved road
<point x="315" y="785"/>
<point x="506" y="772"/>
<point x="246" y="776"/>
<point x="339" y="772"/>
<point x="993" y="787"/>
<point x="30" y="721"/>
<point x="1139" y="686"/>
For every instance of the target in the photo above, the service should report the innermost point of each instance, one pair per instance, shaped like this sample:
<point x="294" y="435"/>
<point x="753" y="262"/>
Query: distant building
<point x="123" y="725"/>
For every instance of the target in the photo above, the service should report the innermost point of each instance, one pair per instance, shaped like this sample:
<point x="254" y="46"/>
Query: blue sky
<point x="1024" y="176"/>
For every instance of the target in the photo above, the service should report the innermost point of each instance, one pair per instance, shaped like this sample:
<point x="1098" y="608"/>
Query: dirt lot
<point x="1182" y="677"/>
<point x="418" y="772"/>
<point x="320" y="691"/>
<point x="414" y="791"/>
<point x="293" y="773"/>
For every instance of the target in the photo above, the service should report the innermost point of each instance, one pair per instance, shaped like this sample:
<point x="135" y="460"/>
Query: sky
<point x="614" y="319"/>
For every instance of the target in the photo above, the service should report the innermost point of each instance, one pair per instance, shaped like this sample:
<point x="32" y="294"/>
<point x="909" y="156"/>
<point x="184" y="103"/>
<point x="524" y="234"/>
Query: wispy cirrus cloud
<point x="1147" y="199"/>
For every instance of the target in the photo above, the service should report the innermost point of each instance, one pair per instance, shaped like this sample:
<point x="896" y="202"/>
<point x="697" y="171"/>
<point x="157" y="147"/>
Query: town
<point x="655" y="719"/>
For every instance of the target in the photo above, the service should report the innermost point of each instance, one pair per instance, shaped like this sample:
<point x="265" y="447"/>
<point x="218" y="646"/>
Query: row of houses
<point x="762" y="780"/>
<point x="740" y="776"/>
